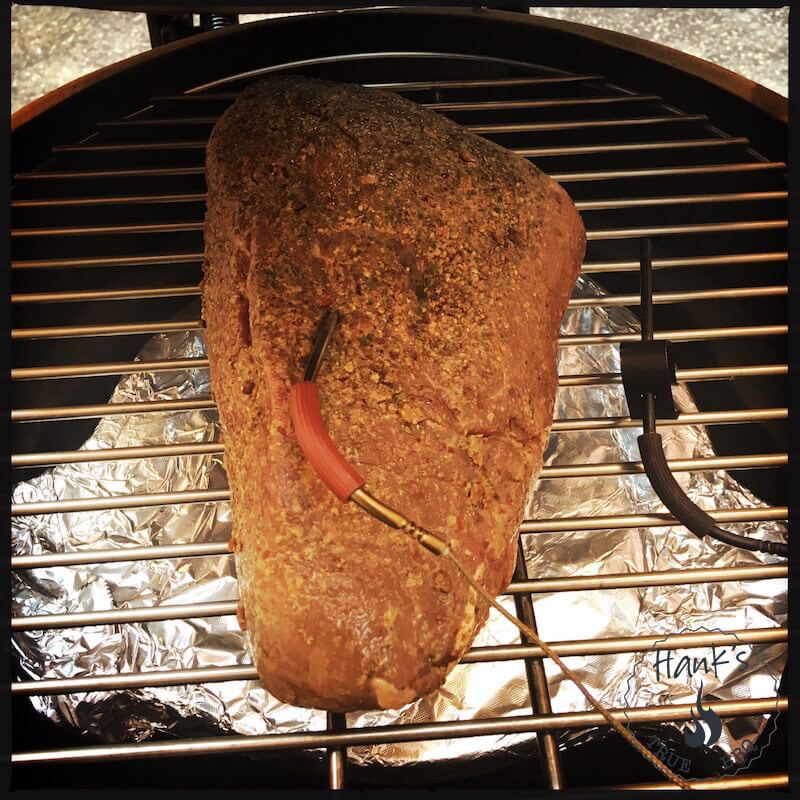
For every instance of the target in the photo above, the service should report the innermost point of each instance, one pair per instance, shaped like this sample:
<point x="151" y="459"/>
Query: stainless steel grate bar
<point x="590" y="267"/>
<point x="87" y="230"/>
<point x="121" y="616"/>
<point x="685" y="375"/>
<point x="100" y="200"/>
<point x="356" y="737"/>
<point x="598" y="523"/>
<point x="194" y="290"/>
<point x="120" y="329"/>
<point x="134" y="680"/>
<point x="564" y="177"/>
<point x="772" y="780"/>
<point x="152" y="327"/>
<point x="532" y="127"/>
<point x="671" y="230"/>
<point x="121" y="554"/>
<point x="699" y="418"/>
<point x="407" y="86"/>
<point x="103" y="294"/>
<point x="681" y="297"/>
<point x="759" y="461"/>
<point x="499" y="105"/>
<point x="479" y="83"/>
<point x="107" y="368"/>
<point x="108" y="261"/>
<point x="106" y="409"/>
<point x="127" y="172"/>
<point x="206" y="448"/>
<point x="458" y="105"/>
<point x="127" y="328"/>
<point x="586" y="647"/>
<point x="536" y="678"/>
<point x="581" y="205"/>
<point x="689" y="261"/>
<point x="527" y="152"/>
<point x="683" y="335"/>
<point x="114" y="147"/>
<point x="677" y="465"/>
<point x="672" y="577"/>
<point x="337" y="756"/>
<point x="684" y="199"/>
<point x="121" y="501"/>
<point x="128" y="367"/>
<point x="114" y="453"/>
<point x="520" y="66"/>
<point x="719" y="373"/>
<point x="618" y="233"/>
<point x="520" y="127"/>
<point x="679" y="144"/>
<point x="192" y="550"/>
<point x="656" y="172"/>
<point x="704" y="418"/>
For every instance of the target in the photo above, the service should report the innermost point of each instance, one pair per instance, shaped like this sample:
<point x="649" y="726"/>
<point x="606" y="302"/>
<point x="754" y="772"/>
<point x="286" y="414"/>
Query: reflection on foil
<point x="472" y="691"/>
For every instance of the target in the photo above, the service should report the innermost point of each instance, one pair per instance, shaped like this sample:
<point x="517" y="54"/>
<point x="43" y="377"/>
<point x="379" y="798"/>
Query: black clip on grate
<point x="648" y="373"/>
<point x="647" y="366"/>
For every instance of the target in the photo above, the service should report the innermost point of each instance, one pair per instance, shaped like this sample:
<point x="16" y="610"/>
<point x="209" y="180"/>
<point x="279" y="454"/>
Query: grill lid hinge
<point x="166" y="28"/>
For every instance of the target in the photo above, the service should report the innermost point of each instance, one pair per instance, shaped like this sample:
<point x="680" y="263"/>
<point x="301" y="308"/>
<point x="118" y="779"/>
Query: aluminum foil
<point x="472" y="691"/>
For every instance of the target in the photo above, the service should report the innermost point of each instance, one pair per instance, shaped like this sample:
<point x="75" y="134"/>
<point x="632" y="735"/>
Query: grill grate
<point x="120" y="214"/>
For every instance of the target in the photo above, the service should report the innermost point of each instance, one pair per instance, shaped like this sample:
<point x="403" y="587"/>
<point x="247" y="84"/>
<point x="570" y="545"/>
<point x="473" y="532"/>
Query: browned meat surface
<point x="450" y="261"/>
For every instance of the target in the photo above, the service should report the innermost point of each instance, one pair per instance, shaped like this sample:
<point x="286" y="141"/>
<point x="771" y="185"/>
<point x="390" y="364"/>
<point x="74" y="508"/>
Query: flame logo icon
<point x="696" y="736"/>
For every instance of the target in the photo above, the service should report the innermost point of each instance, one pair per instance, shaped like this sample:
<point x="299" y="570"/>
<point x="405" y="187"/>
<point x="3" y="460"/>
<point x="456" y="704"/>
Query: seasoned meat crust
<point x="450" y="261"/>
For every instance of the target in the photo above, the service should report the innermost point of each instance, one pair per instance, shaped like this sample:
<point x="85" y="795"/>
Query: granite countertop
<point x="51" y="46"/>
<point x="751" y="41"/>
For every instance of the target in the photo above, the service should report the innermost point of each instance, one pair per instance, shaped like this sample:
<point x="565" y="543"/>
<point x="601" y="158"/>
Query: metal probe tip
<point x="324" y="336"/>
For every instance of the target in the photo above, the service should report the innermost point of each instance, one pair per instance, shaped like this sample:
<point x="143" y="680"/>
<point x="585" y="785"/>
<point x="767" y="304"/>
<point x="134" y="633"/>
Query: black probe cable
<point x="655" y="461"/>
<point x="675" y="499"/>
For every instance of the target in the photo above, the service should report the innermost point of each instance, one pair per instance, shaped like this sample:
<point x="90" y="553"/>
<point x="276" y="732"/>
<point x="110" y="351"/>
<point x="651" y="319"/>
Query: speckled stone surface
<point x="52" y="46"/>
<point x="751" y="41"/>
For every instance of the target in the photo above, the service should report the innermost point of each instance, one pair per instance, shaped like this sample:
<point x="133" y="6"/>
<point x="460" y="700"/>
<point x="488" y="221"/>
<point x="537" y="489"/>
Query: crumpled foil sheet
<point x="472" y="691"/>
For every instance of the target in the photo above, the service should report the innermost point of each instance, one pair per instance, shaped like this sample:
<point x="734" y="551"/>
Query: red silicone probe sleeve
<point x="317" y="446"/>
